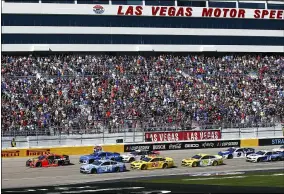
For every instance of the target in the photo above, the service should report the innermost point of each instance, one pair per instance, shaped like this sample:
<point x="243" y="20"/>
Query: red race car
<point x="48" y="160"/>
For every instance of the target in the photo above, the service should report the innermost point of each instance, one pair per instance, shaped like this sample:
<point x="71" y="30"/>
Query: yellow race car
<point x="202" y="160"/>
<point x="153" y="162"/>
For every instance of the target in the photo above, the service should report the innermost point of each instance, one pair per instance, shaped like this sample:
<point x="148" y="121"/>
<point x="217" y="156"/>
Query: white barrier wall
<point x="137" y="137"/>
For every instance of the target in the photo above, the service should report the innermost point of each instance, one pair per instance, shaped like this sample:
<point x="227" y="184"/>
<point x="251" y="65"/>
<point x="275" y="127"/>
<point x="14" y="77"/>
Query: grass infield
<point x="262" y="179"/>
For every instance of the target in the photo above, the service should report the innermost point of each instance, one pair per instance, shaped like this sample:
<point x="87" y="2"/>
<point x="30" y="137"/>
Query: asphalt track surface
<point x="16" y="175"/>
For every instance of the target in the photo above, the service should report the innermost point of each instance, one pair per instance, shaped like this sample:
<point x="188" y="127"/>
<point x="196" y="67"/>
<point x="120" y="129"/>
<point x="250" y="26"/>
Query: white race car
<point x="232" y="152"/>
<point x="281" y="149"/>
<point x="264" y="156"/>
<point x="137" y="155"/>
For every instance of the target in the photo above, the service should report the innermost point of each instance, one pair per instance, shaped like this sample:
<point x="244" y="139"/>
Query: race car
<point x="202" y="160"/>
<point x="264" y="156"/>
<point x="103" y="166"/>
<point x="48" y="160"/>
<point x="281" y="149"/>
<point x="138" y="154"/>
<point x="154" y="162"/>
<point x="232" y="152"/>
<point x="88" y="159"/>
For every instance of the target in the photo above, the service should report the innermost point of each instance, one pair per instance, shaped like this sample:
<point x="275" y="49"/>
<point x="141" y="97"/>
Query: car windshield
<point x="146" y="159"/>
<point x="134" y="153"/>
<point x="196" y="157"/>
<point x="40" y="157"/>
<point x="260" y="153"/>
<point x="96" y="162"/>
<point x="231" y="149"/>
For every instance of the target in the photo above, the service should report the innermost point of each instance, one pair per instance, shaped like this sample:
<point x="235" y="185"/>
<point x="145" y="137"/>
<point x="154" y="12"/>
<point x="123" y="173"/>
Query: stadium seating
<point x="94" y="93"/>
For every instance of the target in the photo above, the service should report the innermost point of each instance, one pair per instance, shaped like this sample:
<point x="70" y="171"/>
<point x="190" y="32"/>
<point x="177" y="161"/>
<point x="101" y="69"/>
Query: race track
<point x="15" y="174"/>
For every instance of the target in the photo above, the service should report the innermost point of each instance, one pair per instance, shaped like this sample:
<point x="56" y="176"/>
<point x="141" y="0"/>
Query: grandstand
<point x="79" y="66"/>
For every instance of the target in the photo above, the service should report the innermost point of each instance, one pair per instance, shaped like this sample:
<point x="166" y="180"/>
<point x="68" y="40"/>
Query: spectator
<point x="115" y="92"/>
<point x="13" y="143"/>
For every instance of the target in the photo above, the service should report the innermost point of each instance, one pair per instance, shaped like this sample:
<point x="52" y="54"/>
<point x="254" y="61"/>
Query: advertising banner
<point x="182" y="135"/>
<point x="10" y="153"/>
<point x="271" y="141"/>
<point x="37" y="152"/>
<point x="182" y="145"/>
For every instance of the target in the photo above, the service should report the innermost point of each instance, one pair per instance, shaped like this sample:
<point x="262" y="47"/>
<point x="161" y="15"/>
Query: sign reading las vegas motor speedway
<point x="199" y="12"/>
<point x="129" y="10"/>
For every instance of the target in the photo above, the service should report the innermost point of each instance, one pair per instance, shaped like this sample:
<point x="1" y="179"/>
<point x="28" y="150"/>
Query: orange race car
<point x="48" y="160"/>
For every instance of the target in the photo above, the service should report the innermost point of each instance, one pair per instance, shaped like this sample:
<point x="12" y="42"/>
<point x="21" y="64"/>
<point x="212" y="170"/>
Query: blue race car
<point x="232" y="152"/>
<point x="103" y="166"/>
<point x="88" y="159"/>
<point x="264" y="156"/>
<point x="281" y="154"/>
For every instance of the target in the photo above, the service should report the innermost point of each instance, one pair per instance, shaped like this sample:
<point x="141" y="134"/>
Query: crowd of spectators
<point x="95" y="92"/>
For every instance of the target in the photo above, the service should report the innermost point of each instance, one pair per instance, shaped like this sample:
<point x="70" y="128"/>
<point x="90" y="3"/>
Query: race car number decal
<point x="155" y="164"/>
<point x="205" y="162"/>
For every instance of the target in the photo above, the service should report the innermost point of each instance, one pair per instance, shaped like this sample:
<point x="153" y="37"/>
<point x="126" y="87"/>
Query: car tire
<point x="28" y="163"/>
<point x="131" y="160"/>
<point x="230" y="156"/>
<point x="194" y="164"/>
<point x="38" y="164"/>
<point x="143" y="167"/>
<point x="258" y="160"/>
<point x="117" y="169"/>
<point x="94" y="171"/>
<point x="215" y="163"/>
<point x="165" y="166"/>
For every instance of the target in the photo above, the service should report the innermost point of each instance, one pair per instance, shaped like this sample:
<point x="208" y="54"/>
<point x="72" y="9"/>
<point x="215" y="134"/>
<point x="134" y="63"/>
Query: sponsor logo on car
<point x="98" y="9"/>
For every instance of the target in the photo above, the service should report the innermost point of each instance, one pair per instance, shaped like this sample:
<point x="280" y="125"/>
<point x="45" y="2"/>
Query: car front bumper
<point x="125" y="159"/>
<point x="251" y="159"/>
<point x="84" y="171"/>
<point x="186" y="164"/>
<point x="135" y="167"/>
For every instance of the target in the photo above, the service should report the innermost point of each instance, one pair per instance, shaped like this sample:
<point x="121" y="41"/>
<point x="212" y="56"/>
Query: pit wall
<point x="161" y="146"/>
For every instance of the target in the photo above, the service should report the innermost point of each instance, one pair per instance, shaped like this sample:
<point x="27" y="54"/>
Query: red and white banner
<point x="183" y="135"/>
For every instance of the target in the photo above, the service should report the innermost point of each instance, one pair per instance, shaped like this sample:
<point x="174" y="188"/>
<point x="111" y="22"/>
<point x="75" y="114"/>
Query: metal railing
<point x="129" y="135"/>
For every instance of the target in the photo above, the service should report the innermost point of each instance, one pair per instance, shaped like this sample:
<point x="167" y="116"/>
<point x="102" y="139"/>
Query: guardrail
<point x="135" y="136"/>
<point x="161" y="146"/>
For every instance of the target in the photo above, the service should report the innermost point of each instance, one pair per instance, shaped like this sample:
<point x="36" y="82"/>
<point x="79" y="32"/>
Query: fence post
<point x="103" y="135"/>
<point x="134" y="135"/>
<point x="59" y="137"/>
<point x="274" y="129"/>
<point x="124" y="134"/>
<point x="239" y="132"/>
<point x="36" y="137"/>
<point x="143" y="133"/>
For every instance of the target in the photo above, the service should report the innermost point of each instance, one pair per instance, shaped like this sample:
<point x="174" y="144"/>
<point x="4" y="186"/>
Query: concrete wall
<point x="94" y="139"/>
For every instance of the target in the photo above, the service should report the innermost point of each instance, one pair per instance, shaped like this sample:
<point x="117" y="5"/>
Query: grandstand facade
<point x="142" y="25"/>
